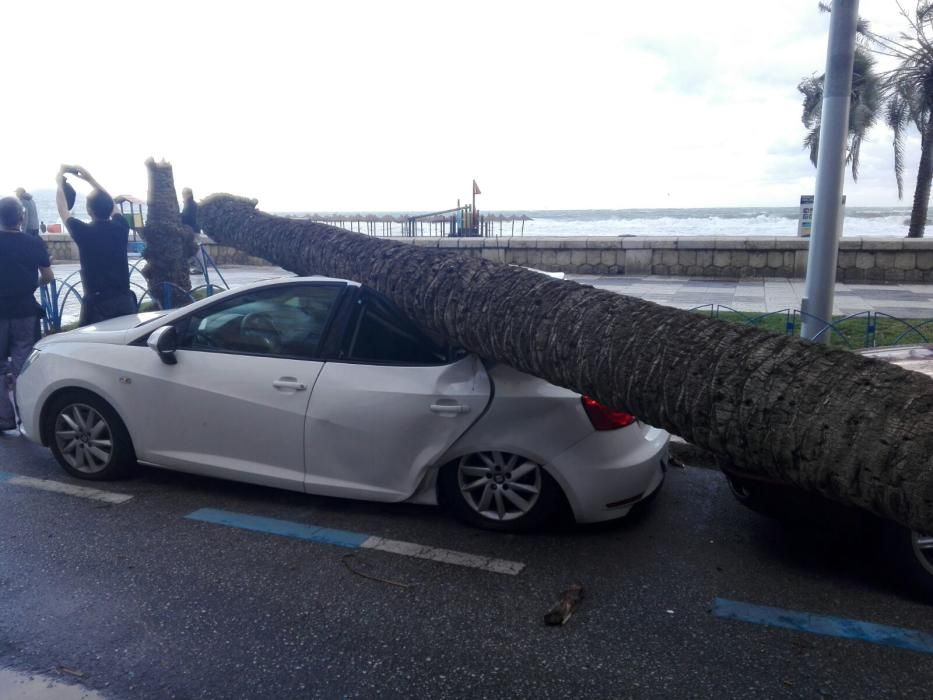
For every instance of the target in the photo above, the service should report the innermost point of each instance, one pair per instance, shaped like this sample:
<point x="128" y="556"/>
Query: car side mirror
<point x="164" y="341"/>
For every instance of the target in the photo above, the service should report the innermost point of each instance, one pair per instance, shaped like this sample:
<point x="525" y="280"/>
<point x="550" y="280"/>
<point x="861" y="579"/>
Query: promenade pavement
<point x="768" y="295"/>
<point x="747" y="295"/>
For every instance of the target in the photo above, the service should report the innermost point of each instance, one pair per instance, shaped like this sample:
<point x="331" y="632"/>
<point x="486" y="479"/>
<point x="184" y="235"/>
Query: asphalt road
<point x="134" y="600"/>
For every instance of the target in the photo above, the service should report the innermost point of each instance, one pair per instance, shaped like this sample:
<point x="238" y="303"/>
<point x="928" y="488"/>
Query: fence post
<point x="202" y="258"/>
<point x="56" y="320"/>
<point x="46" y="319"/>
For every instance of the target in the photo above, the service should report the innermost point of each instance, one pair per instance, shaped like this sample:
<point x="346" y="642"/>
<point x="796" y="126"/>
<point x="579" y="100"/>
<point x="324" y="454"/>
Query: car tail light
<point x="603" y="417"/>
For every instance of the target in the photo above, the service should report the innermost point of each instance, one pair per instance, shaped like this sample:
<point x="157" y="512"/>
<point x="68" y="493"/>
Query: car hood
<point x="111" y="331"/>
<point x="918" y="358"/>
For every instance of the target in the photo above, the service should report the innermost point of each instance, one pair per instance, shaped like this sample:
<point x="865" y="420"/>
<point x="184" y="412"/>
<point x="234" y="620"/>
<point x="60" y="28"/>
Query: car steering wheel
<point x="202" y="339"/>
<point x="259" y="326"/>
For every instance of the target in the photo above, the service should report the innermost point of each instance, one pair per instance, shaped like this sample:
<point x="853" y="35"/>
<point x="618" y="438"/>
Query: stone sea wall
<point x="860" y="259"/>
<point x="62" y="248"/>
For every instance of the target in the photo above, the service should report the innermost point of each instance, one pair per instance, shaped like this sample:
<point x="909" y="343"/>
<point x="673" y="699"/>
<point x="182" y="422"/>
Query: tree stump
<point x="169" y="243"/>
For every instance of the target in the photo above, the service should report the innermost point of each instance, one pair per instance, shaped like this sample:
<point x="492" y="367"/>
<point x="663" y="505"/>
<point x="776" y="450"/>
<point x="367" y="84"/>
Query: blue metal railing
<point x="55" y="296"/>
<point x="840" y="329"/>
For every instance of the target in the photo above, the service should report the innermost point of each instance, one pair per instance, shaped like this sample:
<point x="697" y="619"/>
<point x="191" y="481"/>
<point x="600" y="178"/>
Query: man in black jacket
<point x="24" y="264"/>
<point x="102" y="248"/>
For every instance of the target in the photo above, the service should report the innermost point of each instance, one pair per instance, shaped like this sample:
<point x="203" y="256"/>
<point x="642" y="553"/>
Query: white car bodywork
<point x="336" y="427"/>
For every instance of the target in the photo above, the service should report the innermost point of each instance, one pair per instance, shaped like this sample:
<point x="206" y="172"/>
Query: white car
<point x="321" y="385"/>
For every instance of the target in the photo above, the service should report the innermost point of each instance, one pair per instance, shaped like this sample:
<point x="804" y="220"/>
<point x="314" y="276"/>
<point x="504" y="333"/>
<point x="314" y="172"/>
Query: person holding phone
<point x="102" y="249"/>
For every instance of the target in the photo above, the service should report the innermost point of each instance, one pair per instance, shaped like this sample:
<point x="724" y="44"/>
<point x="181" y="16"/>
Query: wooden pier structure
<point x="457" y="222"/>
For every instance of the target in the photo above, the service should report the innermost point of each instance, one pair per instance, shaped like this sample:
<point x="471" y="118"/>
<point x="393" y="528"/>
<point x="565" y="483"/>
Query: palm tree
<point x="850" y="428"/>
<point x="169" y="244"/>
<point x="864" y="106"/>
<point x="908" y="93"/>
<point x="904" y="94"/>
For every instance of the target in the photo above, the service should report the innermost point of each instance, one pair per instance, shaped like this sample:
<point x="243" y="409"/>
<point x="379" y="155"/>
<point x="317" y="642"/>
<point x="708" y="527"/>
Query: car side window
<point x="287" y="321"/>
<point x="381" y="334"/>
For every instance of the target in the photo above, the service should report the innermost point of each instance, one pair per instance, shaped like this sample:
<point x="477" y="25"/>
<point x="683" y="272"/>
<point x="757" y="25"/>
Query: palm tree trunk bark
<point x="169" y="243"/>
<point x="853" y="429"/>
<point x="918" y="214"/>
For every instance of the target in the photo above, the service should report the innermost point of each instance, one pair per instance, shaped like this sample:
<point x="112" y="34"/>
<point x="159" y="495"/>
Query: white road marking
<point x="69" y="489"/>
<point x="444" y="556"/>
<point x="353" y="540"/>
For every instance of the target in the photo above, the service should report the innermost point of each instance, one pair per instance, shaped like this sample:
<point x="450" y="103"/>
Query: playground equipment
<point x="132" y="210"/>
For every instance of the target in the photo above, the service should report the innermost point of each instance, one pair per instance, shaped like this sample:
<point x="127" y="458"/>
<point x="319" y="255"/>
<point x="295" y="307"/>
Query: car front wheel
<point x="500" y="491"/>
<point x="911" y="555"/>
<point x="88" y="438"/>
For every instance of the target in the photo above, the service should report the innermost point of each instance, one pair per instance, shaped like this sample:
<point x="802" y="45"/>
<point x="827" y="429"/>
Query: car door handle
<point x="289" y="383"/>
<point x="455" y="408"/>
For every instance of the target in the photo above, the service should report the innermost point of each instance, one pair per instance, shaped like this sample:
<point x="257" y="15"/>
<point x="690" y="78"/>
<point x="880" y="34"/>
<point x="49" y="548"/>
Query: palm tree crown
<point x="903" y="94"/>
<point x="864" y="105"/>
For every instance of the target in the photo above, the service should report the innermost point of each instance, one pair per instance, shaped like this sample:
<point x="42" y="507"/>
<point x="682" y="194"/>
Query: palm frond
<point x="812" y="142"/>
<point x="897" y="114"/>
<point x="854" y="149"/>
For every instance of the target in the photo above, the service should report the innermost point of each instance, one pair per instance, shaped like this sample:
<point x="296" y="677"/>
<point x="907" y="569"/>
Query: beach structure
<point x="457" y="222"/>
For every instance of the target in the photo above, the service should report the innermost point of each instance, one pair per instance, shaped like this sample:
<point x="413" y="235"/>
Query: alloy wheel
<point x="84" y="438"/>
<point x="498" y="485"/>
<point x="923" y="550"/>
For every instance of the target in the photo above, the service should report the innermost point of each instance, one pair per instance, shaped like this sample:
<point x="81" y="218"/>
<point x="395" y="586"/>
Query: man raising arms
<point x="102" y="249"/>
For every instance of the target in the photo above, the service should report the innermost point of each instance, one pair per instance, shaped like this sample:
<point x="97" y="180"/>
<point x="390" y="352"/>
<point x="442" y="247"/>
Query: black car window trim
<point x="406" y="326"/>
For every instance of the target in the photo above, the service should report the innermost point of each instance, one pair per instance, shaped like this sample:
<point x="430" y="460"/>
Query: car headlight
<point x="29" y="360"/>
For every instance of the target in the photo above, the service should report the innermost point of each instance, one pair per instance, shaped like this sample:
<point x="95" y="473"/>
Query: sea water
<point x="728" y="221"/>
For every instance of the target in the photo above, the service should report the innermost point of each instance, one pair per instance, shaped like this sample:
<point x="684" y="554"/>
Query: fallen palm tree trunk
<point x="853" y="429"/>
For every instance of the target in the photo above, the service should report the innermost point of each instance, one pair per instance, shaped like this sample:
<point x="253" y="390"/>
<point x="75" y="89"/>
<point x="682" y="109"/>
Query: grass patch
<point x="856" y="332"/>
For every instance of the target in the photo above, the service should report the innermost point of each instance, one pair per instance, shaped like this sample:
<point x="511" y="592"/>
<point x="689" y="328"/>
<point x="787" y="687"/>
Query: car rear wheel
<point x="500" y="491"/>
<point x="88" y="438"/>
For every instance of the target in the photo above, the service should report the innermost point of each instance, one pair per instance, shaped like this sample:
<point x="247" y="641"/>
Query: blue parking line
<point x="845" y="628"/>
<point x="283" y="528"/>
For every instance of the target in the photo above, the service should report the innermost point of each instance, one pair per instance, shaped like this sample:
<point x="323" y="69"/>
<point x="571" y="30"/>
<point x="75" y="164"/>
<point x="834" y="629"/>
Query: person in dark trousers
<point x="24" y="264"/>
<point x="31" y="216"/>
<point x="102" y="249"/>
<point x="189" y="217"/>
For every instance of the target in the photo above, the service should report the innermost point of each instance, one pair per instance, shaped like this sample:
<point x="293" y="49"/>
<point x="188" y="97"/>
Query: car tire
<point x="763" y="498"/>
<point x="88" y="438"/>
<point x="501" y="491"/>
<point x="910" y="555"/>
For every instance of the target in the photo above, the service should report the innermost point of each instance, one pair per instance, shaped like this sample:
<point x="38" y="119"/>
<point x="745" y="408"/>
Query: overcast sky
<point x="370" y="106"/>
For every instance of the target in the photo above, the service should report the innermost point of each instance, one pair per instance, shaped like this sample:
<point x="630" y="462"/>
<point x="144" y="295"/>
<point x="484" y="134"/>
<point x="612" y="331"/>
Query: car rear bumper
<point x="607" y="473"/>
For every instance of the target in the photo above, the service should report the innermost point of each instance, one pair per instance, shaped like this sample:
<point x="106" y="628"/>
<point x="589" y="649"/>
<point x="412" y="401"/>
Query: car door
<point x="234" y="405"/>
<point x="388" y="407"/>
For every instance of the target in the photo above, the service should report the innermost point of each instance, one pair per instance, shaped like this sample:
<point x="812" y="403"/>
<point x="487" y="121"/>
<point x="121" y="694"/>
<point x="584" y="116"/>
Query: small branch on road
<point x="71" y="671"/>
<point x="345" y="559"/>
<point x="566" y="605"/>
